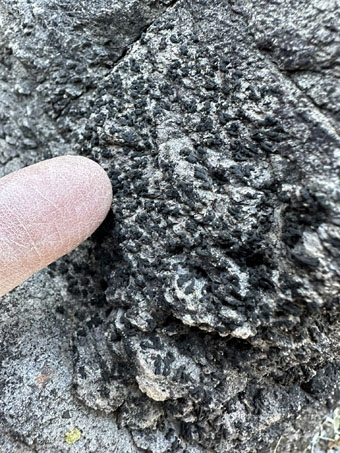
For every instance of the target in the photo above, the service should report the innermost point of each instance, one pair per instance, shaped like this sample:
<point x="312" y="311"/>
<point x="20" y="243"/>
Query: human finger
<point x="46" y="210"/>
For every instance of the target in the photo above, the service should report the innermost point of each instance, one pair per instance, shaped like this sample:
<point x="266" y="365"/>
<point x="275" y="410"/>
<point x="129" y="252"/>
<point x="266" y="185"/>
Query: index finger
<point x="46" y="210"/>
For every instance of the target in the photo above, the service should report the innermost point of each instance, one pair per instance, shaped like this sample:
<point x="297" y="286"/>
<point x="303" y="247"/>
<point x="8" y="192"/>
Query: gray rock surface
<point x="203" y="315"/>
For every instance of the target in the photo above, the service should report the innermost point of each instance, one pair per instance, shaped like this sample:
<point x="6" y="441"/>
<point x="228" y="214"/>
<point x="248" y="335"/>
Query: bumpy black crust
<point x="205" y="310"/>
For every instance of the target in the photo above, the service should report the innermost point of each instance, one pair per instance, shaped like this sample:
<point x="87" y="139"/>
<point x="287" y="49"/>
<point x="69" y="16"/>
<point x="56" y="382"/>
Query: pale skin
<point x="47" y="210"/>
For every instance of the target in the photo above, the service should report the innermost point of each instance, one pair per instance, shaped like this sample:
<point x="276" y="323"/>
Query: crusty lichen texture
<point x="72" y="436"/>
<point x="203" y="315"/>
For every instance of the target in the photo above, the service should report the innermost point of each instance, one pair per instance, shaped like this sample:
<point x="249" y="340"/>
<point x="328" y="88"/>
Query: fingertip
<point x="47" y="210"/>
<point x="84" y="166"/>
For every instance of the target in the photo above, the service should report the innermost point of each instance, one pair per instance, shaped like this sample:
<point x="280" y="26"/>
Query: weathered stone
<point x="204" y="314"/>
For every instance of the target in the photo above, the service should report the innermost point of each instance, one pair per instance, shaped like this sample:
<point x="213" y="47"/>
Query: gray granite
<point x="203" y="315"/>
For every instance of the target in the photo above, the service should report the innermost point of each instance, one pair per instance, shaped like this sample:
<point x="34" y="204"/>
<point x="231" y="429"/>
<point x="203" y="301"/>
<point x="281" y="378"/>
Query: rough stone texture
<point x="204" y="314"/>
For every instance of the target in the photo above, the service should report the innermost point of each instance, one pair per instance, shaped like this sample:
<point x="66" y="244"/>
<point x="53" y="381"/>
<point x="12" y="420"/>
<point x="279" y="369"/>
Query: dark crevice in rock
<point x="332" y="118"/>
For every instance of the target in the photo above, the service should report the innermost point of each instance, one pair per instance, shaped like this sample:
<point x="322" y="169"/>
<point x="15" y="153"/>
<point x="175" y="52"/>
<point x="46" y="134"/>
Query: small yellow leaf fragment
<point x="72" y="436"/>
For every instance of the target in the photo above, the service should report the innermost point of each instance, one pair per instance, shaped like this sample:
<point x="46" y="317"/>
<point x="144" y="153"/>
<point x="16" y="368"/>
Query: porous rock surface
<point x="203" y="315"/>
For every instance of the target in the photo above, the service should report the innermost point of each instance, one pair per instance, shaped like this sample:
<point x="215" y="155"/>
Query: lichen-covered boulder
<point x="203" y="315"/>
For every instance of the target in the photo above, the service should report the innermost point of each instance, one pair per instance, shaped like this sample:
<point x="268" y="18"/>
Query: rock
<point x="203" y="315"/>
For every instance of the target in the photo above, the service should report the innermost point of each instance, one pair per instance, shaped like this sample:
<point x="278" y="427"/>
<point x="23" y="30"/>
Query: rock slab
<point x="204" y="314"/>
